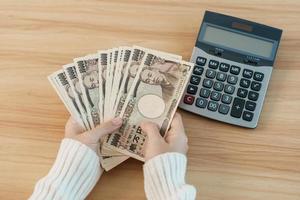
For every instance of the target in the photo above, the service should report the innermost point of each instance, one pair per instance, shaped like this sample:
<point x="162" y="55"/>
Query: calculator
<point x="234" y="60"/>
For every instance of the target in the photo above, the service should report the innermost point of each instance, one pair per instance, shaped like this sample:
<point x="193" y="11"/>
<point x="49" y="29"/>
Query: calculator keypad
<point x="258" y="76"/>
<point x="204" y="92"/>
<point x="211" y="73"/>
<point x="247" y="73"/>
<point x="250" y="105"/>
<point x="255" y="86"/>
<point x="201" y="102"/>
<point x="237" y="107"/>
<point x="226" y="99"/>
<point x="229" y="89"/>
<point x="232" y="79"/>
<point x="224" y="109"/>
<point x="198" y="70"/>
<point x="245" y="83"/>
<point x="221" y="76"/>
<point x="208" y="83"/>
<point x="201" y="61"/>
<point x="235" y="70"/>
<point x="213" y="64"/>
<point x="189" y="99"/>
<point x="242" y="93"/>
<point x="224" y="67"/>
<point x="216" y="96"/>
<point x="223" y="88"/>
<point x="195" y="80"/>
<point x="192" y="89"/>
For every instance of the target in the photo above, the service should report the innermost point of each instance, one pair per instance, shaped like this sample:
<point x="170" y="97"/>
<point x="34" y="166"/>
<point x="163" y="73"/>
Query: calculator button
<point x="229" y="89"/>
<point x="250" y="105"/>
<point x="200" y="61"/>
<point x="232" y="79"/>
<point x="223" y="109"/>
<point x="213" y="64"/>
<point x="201" y="103"/>
<point x="188" y="99"/>
<point x="258" y="76"/>
<point x="242" y="92"/>
<point x="237" y="107"/>
<point x="212" y="106"/>
<point x="195" y="80"/>
<point x="218" y="86"/>
<point x="221" y="76"/>
<point x="255" y="86"/>
<point x="207" y="83"/>
<point x="247" y="73"/>
<point x="198" y="70"/>
<point x="247" y="116"/>
<point x="253" y="96"/>
<point x="216" y="96"/>
<point x="235" y="69"/>
<point x="210" y="73"/>
<point x="224" y="67"/>
<point x="226" y="98"/>
<point x="192" y="89"/>
<point x="204" y="92"/>
<point x="245" y="83"/>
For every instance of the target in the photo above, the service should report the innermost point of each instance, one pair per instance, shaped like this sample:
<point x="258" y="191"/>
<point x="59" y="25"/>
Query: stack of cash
<point x="135" y="83"/>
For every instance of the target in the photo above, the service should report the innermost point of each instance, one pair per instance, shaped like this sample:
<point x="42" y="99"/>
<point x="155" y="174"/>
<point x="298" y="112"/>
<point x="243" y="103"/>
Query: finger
<point x="73" y="128"/>
<point x="104" y="129"/>
<point x="177" y="127"/>
<point x="152" y="131"/>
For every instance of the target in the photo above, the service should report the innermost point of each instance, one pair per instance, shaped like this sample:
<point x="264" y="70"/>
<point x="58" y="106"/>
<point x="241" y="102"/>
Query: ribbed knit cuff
<point x="74" y="174"/>
<point x="165" y="178"/>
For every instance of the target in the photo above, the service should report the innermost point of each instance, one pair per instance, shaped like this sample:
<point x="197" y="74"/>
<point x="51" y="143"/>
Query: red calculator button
<point x="188" y="99"/>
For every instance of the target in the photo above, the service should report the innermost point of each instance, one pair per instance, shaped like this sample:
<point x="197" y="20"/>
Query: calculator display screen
<point x="238" y="41"/>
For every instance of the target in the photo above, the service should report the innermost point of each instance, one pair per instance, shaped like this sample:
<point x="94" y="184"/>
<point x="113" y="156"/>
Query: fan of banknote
<point x="134" y="83"/>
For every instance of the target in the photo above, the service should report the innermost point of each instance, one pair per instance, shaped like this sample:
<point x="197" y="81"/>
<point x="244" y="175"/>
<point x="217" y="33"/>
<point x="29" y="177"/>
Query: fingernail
<point x="117" y="121"/>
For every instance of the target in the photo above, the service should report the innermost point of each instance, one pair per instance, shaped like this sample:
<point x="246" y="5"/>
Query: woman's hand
<point x="92" y="137"/>
<point x="174" y="141"/>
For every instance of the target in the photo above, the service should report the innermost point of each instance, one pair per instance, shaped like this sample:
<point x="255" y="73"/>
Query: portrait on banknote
<point x="91" y="80"/>
<point x="162" y="73"/>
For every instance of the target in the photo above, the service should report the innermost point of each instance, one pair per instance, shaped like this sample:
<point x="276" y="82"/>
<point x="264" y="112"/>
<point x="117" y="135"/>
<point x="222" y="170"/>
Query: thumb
<point x="152" y="131"/>
<point x="177" y="127"/>
<point x="104" y="129"/>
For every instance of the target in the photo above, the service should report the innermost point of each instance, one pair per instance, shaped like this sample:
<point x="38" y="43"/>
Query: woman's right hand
<point x="174" y="141"/>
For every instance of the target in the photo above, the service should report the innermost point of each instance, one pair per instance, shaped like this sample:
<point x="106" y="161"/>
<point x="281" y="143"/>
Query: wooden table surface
<point x="225" y="162"/>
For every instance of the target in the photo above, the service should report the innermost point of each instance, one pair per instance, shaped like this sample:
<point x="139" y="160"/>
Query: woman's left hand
<point x="92" y="137"/>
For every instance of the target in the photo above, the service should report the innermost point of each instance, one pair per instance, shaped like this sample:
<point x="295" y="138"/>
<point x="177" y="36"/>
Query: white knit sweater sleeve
<point x="164" y="177"/>
<point x="74" y="174"/>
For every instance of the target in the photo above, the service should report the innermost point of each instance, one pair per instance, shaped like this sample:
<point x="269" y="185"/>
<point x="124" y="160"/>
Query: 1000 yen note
<point x="102" y="67"/>
<point x="122" y="72"/>
<point x="75" y="89"/>
<point x="62" y="87"/>
<point x="116" y="78"/>
<point x="111" y="79"/>
<point x="87" y="70"/>
<point x="154" y="96"/>
<point x="108" y="79"/>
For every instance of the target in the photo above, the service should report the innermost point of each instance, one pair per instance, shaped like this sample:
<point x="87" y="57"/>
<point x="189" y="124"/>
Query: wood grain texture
<point x="225" y="162"/>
